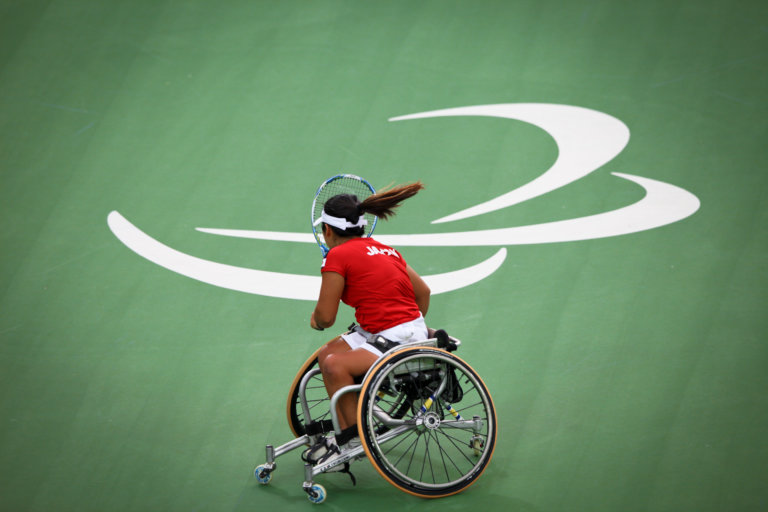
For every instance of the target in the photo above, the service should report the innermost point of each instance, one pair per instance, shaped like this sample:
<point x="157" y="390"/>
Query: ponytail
<point x="383" y="204"/>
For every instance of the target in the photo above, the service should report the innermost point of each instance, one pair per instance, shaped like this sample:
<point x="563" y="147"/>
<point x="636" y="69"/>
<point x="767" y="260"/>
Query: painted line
<point x="586" y="140"/>
<point x="262" y="282"/>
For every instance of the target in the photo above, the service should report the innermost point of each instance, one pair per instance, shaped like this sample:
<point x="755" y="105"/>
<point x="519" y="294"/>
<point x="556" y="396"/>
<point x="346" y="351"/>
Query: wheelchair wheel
<point x="319" y="403"/>
<point x="317" y="398"/>
<point x="445" y="434"/>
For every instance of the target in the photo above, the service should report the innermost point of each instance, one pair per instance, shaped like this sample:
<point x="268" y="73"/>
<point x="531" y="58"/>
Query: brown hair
<point x="382" y="204"/>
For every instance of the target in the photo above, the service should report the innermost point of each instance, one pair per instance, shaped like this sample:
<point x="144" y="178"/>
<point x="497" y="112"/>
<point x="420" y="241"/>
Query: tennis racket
<point x="340" y="184"/>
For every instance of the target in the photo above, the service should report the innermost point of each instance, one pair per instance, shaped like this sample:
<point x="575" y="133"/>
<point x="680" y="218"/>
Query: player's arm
<point x="331" y="288"/>
<point x="420" y="289"/>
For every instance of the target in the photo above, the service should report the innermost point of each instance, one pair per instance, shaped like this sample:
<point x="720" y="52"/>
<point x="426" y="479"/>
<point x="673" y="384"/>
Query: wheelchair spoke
<point x="465" y="407"/>
<point x="424" y="458"/>
<point x="440" y="451"/>
<point x="391" y="404"/>
<point x="460" y="450"/>
<point x="443" y="455"/>
<point x="461" y="441"/>
<point x="427" y="458"/>
<point x="413" y="453"/>
<point x="431" y="456"/>
<point x="399" y="442"/>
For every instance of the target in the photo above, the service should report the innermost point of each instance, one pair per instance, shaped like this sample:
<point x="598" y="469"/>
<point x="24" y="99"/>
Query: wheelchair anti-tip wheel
<point x="445" y="434"/>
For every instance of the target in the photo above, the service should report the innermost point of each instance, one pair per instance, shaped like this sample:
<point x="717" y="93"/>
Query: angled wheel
<point x="317" y="398"/>
<point x="263" y="474"/>
<point x="316" y="493"/>
<point x="445" y="434"/>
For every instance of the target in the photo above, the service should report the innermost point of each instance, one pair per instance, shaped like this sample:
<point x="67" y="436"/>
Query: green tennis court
<point x="619" y="320"/>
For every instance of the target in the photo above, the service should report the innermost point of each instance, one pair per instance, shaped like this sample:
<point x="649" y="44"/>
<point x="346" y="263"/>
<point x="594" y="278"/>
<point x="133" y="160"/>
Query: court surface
<point x="629" y="371"/>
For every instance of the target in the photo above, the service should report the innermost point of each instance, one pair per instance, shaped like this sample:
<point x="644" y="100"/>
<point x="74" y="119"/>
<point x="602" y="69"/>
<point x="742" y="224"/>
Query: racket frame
<point x="316" y="223"/>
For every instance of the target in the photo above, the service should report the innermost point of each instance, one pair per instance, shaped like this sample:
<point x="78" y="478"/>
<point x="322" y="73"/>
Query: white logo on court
<point x="586" y="140"/>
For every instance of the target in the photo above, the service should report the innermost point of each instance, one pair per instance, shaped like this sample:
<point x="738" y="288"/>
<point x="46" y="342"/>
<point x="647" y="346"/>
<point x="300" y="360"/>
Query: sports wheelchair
<point x="425" y="419"/>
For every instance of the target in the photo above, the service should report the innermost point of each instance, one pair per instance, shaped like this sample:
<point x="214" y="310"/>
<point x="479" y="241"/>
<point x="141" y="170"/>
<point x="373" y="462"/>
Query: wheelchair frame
<point x="385" y="374"/>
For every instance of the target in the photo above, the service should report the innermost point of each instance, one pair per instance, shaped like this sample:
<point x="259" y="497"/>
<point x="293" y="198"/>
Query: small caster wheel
<point x="263" y="474"/>
<point x="316" y="493"/>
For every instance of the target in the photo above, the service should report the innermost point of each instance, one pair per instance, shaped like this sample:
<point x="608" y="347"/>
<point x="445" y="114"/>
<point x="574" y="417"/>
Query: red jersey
<point x="376" y="283"/>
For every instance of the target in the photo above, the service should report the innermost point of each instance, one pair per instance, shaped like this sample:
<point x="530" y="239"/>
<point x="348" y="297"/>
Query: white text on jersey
<point x="372" y="251"/>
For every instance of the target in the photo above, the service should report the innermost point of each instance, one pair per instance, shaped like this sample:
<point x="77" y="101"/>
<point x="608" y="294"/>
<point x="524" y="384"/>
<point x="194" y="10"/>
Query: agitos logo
<point x="586" y="140"/>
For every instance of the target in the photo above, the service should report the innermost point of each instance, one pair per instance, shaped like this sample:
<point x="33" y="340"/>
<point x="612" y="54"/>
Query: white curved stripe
<point x="663" y="204"/>
<point x="276" y="236"/>
<point x="586" y="140"/>
<point x="449" y="281"/>
<point x="261" y="282"/>
<point x="273" y="284"/>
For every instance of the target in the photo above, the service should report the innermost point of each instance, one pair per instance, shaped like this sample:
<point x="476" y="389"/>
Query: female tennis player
<point x="390" y="299"/>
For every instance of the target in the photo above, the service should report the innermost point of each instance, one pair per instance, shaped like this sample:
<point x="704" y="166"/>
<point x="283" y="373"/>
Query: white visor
<point x="342" y="223"/>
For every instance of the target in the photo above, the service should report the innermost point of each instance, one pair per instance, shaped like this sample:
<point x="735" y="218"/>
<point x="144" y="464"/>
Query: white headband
<point x="342" y="223"/>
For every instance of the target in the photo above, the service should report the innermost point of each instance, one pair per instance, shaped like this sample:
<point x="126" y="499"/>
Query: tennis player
<point x="390" y="300"/>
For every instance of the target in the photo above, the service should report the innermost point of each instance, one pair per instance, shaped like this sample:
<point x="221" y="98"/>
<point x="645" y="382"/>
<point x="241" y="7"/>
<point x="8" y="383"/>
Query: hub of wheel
<point x="431" y="420"/>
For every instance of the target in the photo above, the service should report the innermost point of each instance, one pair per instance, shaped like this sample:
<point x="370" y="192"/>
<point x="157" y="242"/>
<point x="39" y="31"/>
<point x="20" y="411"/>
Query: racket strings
<point x="342" y="185"/>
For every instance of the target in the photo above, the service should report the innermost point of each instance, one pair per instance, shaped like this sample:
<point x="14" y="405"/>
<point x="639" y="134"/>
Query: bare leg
<point x="339" y="370"/>
<point x="334" y="346"/>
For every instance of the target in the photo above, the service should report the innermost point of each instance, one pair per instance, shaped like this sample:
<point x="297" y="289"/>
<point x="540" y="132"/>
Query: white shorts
<point x="415" y="330"/>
